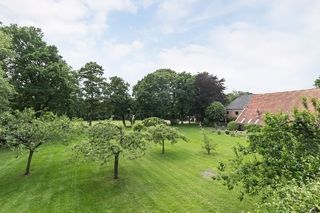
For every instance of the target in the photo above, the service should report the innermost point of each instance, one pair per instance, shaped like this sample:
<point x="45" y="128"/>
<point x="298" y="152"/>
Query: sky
<point x="255" y="45"/>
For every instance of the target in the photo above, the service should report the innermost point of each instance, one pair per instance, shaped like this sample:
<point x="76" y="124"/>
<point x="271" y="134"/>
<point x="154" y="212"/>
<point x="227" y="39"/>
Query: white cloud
<point x="250" y="58"/>
<point x="257" y="45"/>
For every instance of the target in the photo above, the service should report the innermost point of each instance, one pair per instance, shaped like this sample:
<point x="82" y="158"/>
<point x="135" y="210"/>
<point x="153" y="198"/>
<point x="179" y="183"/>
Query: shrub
<point x="227" y="132"/>
<point x="153" y="121"/>
<point x="215" y="112"/>
<point x="232" y="126"/>
<point x="219" y="132"/>
<point x="138" y="126"/>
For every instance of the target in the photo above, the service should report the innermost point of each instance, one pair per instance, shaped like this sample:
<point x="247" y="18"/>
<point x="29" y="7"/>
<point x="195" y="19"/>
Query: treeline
<point x="34" y="75"/>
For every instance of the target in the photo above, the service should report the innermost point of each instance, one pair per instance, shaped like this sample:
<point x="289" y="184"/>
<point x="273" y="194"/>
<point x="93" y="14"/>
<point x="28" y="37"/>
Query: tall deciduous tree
<point x="108" y="140"/>
<point x="6" y="89"/>
<point x="40" y="76"/>
<point x="93" y="87"/>
<point x="184" y="94"/>
<point x="119" y="97"/>
<point x="24" y="131"/>
<point x="209" y="88"/>
<point x="154" y="94"/>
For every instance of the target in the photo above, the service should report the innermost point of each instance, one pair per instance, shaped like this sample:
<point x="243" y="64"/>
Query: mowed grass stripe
<point x="171" y="182"/>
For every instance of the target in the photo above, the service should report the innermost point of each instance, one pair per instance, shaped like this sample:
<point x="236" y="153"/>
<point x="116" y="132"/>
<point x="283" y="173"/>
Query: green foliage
<point x="108" y="140"/>
<point x="216" y="112"/>
<point x="41" y="78"/>
<point x="24" y="131"/>
<point x="153" y="121"/>
<point x="232" y="126"/>
<point x="6" y="89"/>
<point x="227" y="132"/>
<point x="317" y="83"/>
<point x="161" y="133"/>
<point x="92" y="87"/>
<point x="294" y="197"/>
<point x="119" y="97"/>
<point x="148" y="122"/>
<point x="153" y="94"/>
<point x="208" y="144"/>
<point x="286" y="148"/>
<point x="184" y="91"/>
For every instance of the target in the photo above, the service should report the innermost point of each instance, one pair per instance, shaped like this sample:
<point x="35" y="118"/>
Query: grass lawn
<point x="172" y="182"/>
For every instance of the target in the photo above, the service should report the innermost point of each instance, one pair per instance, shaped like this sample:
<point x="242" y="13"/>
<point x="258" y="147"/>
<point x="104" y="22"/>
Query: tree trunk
<point x="162" y="147"/>
<point x="189" y="119"/>
<point x="116" y="166"/>
<point x="90" y="116"/>
<point x="29" y="162"/>
<point x="123" y="121"/>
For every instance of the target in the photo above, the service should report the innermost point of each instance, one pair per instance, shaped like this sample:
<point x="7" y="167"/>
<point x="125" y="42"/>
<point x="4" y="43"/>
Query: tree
<point x="119" y="97"/>
<point x="216" y="112"/>
<point x="154" y="94"/>
<point x="6" y="89"/>
<point x="284" y="150"/>
<point x="184" y="94"/>
<point x="92" y="86"/>
<point x="41" y="78"/>
<point x="317" y="83"/>
<point x="108" y="140"/>
<point x="209" y="88"/>
<point x="24" y="131"/>
<point x="161" y="133"/>
<point x="208" y="144"/>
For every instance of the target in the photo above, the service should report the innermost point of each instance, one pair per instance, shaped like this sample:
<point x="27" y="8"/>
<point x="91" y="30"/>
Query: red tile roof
<point x="277" y="102"/>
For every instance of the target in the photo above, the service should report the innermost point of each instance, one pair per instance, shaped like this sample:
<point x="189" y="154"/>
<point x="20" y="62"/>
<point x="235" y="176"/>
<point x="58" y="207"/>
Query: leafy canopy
<point x="209" y="88"/>
<point x="93" y="87"/>
<point x="41" y="78"/>
<point x="215" y="112"/>
<point x="119" y="97"/>
<point x="23" y="130"/>
<point x="108" y="140"/>
<point x="161" y="133"/>
<point x="154" y="94"/>
<point x="6" y="89"/>
<point x="285" y="149"/>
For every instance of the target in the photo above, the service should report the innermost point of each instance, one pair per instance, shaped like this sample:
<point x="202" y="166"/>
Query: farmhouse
<point x="278" y="102"/>
<point x="235" y="108"/>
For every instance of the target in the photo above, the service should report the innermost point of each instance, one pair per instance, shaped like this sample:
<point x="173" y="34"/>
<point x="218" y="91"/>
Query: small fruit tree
<point x="23" y="130"/>
<point x="161" y="133"/>
<point x="107" y="140"/>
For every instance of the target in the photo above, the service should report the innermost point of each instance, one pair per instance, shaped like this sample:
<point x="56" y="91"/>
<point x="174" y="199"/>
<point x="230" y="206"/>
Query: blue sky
<point x="256" y="45"/>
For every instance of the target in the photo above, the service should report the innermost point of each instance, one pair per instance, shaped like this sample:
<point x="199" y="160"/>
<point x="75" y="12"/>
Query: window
<point x="227" y="112"/>
<point x="237" y="113"/>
